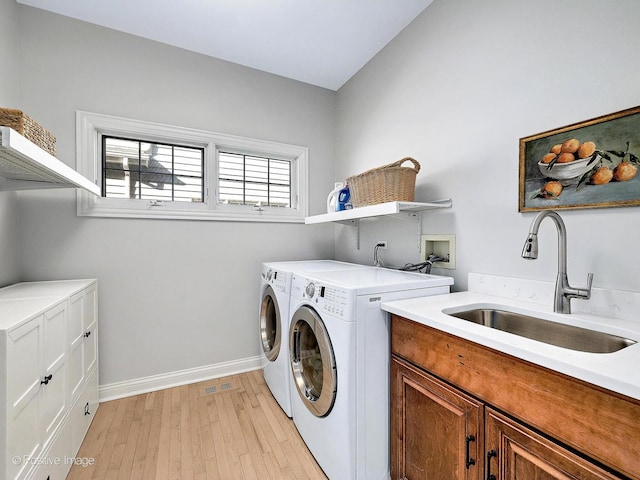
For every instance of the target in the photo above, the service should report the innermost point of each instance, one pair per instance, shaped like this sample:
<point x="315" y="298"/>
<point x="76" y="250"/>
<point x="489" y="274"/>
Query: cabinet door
<point x="90" y="322"/>
<point x="517" y="452"/>
<point x="436" y="430"/>
<point x="24" y="373"/>
<point x="76" y="345"/>
<point x="83" y="338"/>
<point x="54" y="388"/>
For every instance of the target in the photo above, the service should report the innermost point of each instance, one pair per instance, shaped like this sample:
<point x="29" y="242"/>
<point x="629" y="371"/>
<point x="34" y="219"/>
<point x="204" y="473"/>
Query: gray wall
<point x="174" y="294"/>
<point x="456" y="90"/>
<point x="9" y="231"/>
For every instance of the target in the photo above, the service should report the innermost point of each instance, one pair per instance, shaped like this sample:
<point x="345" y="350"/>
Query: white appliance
<point x="340" y="355"/>
<point x="274" y="321"/>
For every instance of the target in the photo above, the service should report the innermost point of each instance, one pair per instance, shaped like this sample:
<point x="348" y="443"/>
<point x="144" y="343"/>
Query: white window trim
<point x="90" y="127"/>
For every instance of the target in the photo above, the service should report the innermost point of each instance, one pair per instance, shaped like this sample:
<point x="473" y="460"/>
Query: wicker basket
<point x="389" y="183"/>
<point x="28" y="128"/>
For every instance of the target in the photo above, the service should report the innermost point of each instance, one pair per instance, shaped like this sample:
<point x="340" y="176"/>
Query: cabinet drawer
<point x="84" y="410"/>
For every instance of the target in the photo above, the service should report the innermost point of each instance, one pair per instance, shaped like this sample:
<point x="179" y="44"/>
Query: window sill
<point x="167" y="212"/>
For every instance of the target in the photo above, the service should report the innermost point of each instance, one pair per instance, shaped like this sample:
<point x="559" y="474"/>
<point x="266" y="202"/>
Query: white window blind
<point x="250" y="179"/>
<point x="152" y="171"/>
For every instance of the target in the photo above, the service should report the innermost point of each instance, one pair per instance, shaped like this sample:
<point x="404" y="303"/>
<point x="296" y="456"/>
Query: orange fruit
<point x="570" y="146"/>
<point x="586" y="149"/>
<point x="548" y="157"/>
<point x="624" y="171"/>
<point x="551" y="189"/>
<point x="556" y="148"/>
<point x="566" y="157"/>
<point x="601" y="176"/>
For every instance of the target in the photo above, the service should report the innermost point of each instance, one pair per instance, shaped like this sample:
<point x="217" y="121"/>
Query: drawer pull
<point x="86" y="409"/>
<point x="46" y="379"/>
<point x="469" y="461"/>
<point x="490" y="455"/>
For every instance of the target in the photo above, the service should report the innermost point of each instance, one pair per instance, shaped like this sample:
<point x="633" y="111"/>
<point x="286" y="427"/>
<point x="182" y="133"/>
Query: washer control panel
<point x="279" y="280"/>
<point x="325" y="298"/>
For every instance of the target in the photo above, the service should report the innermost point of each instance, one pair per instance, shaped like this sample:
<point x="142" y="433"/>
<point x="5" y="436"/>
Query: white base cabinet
<point x="48" y="376"/>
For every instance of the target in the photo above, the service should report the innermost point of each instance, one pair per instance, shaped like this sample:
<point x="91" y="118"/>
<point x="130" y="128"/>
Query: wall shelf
<point x="381" y="209"/>
<point x="24" y="166"/>
<point x="403" y="210"/>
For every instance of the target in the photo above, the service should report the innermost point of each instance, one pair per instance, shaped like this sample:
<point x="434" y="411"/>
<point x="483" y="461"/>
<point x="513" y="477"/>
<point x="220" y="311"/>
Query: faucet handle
<point x="589" y="283"/>
<point x="589" y="280"/>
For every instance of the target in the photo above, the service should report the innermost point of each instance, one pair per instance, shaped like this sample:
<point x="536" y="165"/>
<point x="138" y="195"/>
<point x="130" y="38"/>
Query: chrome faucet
<point x="564" y="292"/>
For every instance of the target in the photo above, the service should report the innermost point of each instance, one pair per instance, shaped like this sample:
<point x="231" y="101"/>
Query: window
<point x="249" y="179"/>
<point x="150" y="170"/>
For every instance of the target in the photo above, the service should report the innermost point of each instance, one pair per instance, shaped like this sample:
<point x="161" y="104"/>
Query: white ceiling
<point x="321" y="42"/>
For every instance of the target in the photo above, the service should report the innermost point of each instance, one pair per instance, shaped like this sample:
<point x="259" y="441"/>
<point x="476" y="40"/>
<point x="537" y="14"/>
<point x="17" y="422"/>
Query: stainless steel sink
<point x="561" y="335"/>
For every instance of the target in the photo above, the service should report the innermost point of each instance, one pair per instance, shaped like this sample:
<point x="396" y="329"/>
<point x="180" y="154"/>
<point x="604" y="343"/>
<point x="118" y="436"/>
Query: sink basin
<point x="561" y="335"/>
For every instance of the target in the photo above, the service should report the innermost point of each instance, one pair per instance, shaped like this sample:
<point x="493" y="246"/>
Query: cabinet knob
<point x="86" y="409"/>
<point x="46" y="379"/>
<point x="87" y="333"/>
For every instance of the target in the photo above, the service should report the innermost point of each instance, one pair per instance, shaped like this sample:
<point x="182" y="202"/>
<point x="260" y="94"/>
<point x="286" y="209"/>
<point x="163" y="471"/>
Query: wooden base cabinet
<point x="461" y="411"/>
<point x="515" y="452"/>
<point x="48" y="376"/>
<point x="436" y="430"/>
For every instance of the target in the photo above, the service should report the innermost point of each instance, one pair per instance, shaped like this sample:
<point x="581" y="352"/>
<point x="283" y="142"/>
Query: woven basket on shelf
<point x="28" y="128"/>
<point x="389" y="183"/>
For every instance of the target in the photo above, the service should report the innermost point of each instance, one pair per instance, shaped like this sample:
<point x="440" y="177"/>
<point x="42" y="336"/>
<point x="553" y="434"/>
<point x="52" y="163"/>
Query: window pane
<point x="152" y="171"/>
<point x="249" y="179"/>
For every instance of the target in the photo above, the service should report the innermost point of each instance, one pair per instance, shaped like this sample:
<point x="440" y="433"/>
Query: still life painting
<point x="590" y="164"/>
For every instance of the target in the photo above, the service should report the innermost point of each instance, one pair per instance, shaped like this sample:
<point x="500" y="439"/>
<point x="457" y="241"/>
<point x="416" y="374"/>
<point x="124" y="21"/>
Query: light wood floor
<point x="191" y="433"/>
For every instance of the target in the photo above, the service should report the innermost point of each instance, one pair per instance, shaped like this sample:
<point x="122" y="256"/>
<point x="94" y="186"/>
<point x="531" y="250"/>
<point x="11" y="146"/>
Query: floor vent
<point x="221" y="387"/>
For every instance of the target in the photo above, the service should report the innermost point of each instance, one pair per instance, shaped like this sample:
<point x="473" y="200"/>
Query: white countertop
<point x="22" y="301"/>
<point x="618" y="371"/>
<point x="51" y="288"/>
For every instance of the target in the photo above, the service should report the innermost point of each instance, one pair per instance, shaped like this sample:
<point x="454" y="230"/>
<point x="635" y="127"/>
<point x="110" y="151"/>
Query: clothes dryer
<point x="340" y="356"/>
<point x="274" y="321"/>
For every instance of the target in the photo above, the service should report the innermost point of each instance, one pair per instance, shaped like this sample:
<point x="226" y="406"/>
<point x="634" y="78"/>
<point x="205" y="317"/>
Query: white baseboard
<point x="137" y="386"/>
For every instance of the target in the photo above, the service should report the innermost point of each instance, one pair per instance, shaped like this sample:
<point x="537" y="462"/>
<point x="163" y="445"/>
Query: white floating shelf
<point x="381" y="209"/>
<point x="24" y="165"/>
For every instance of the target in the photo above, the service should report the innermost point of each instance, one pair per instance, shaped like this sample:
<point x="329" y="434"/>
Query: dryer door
<point x="312" y="361"/>
<point x="270" y="326"/>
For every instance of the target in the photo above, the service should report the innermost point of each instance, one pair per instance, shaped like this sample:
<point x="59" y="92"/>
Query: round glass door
<point x="313" y="363"/>
<point x="270" y="326"/>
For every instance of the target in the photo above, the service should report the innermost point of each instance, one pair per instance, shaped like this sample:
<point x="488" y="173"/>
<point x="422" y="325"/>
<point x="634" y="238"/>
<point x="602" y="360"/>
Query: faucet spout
<point x="563" y="291"/>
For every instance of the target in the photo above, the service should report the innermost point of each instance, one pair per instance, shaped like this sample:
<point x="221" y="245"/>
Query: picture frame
<point x="590" y="164"/>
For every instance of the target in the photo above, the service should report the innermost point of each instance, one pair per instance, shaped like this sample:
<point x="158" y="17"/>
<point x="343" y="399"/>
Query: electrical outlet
<point x="382" y="244"/>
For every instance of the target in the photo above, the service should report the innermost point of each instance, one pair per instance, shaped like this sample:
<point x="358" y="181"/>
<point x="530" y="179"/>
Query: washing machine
<point x="274" y="321"/>
<point x="340" y="356"/>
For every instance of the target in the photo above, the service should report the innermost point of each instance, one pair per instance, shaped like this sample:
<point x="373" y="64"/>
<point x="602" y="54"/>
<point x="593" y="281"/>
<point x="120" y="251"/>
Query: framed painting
<point x="591" y="164"/>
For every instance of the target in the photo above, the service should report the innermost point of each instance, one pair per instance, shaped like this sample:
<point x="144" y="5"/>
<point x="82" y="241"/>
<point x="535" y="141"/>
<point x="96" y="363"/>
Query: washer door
<point x="313" y="363"/>
<point x="270" y="326"/>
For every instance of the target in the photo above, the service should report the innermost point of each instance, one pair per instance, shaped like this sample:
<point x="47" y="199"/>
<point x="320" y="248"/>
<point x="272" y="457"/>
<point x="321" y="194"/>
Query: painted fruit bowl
<point x="570" y="172"/>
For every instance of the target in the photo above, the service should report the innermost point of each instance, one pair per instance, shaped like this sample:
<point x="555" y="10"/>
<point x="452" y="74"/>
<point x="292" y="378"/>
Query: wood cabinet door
<point x="436" y="430"/>
<point x="521" y="453"/>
